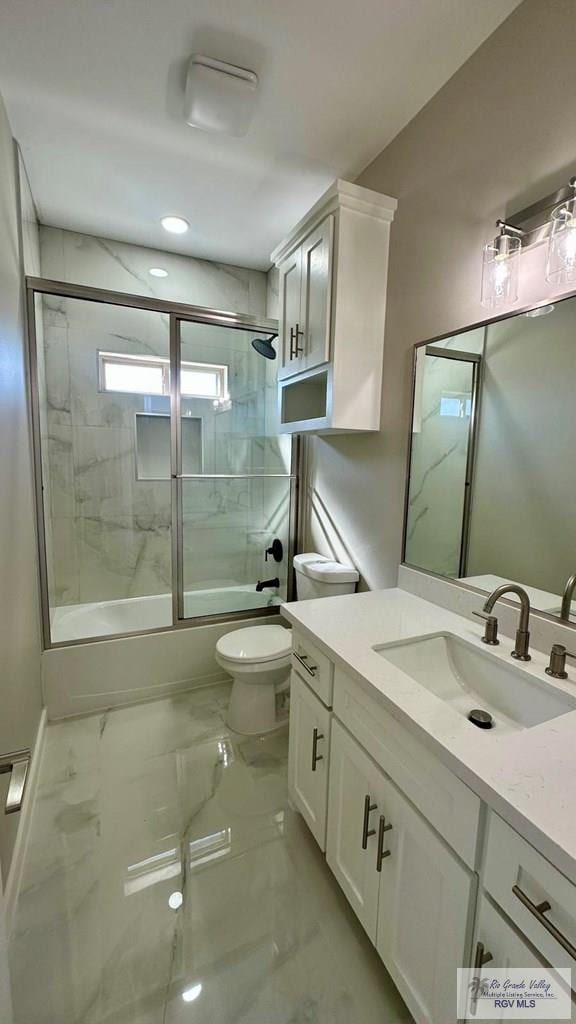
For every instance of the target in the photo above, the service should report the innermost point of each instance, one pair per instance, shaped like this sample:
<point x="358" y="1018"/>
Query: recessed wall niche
<point x="153" y="446"/>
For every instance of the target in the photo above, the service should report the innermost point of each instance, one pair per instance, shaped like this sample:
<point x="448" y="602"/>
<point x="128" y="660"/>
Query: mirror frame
<point x="478" y="325"/>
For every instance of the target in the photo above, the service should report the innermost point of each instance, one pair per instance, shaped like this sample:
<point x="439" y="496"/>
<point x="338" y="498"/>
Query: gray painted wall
<point x="498" y="135"/>
<point x="20" y="695"/>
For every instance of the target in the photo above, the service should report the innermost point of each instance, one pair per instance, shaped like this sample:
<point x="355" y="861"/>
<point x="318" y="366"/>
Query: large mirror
<point x="491" y="494"/>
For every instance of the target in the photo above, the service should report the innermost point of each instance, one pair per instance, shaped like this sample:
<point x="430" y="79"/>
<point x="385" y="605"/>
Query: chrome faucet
<point x="521" y="648"/>
<point x="567" y="598"/>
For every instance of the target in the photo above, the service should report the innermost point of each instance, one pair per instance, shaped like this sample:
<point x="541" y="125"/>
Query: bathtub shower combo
<point x="165" y="492"/>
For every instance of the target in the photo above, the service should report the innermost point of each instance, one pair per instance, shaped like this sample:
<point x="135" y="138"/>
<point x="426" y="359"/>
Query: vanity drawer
<point x="520" y="879"/>
<point x="450" y="807"/>
<point x="313" y="667"/>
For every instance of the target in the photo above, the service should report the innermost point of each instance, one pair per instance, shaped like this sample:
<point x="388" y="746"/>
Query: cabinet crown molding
<point x="341" y="195"/>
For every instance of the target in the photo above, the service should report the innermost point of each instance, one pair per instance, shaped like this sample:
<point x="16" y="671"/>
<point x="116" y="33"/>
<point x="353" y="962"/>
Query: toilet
<point x="258" y="658"/>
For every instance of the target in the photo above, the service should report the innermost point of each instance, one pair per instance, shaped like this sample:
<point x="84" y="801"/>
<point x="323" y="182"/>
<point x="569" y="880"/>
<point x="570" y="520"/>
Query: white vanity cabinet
<point x="409" y="890"/>
<point x="356" y="800"/>
<point x="308" y="757"/>
<point x="333" y="269"/>
<point x="425" y="900"/>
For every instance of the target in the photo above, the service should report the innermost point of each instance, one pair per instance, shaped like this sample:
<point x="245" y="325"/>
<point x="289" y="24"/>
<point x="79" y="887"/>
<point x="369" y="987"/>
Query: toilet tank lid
<point x="325" y="570"/>
<point x="256" y="643"/>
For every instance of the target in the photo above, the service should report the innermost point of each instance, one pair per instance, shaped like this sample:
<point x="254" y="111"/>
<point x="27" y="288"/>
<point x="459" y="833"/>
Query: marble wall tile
<point x="112" y="530"/>
<point x="119" y="266"/>
<point x="129" y="556"/>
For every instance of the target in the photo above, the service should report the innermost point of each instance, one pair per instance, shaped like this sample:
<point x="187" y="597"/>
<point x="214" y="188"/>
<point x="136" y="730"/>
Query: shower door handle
<point x="16" y="765"/>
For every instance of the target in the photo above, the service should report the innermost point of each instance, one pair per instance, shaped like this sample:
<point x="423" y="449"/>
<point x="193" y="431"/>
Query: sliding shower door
<point x="234" y="474"/>
<point x="162" y="482"/>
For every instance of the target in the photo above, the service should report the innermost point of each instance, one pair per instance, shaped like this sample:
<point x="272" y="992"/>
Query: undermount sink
<point x="468" y="678"/>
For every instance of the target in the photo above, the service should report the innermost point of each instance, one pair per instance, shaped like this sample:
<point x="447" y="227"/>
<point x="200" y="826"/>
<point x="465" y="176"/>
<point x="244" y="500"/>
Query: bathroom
<point x="269" y="471"/>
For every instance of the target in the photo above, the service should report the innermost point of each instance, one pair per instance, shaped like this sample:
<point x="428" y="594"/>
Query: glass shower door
<point x="233" y="474"/>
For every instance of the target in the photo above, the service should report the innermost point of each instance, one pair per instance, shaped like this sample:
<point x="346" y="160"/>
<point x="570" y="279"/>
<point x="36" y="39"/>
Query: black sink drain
<point x="483" y="719"/>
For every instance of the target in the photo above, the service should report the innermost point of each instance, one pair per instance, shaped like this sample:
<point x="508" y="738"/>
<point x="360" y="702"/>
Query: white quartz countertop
<point x="528" y="777"/>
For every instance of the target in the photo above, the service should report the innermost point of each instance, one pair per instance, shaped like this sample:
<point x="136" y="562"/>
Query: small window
<point x="150" y="375"/>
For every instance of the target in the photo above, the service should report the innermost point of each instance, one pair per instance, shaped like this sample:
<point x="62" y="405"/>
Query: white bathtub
<point x="134" y="614"/>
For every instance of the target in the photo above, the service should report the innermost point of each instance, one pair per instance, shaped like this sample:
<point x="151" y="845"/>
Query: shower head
<point x="264" y="347"/>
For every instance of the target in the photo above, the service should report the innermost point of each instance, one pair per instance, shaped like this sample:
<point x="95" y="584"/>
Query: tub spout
<point x="267" y="583"/>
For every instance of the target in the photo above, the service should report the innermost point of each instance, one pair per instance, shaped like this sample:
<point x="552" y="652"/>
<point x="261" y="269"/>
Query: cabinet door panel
<point x="308" y="757"/>
<point x="505" y="946"/>
<point x="424" y="901"/>
<point x="317" y="293"/>
<point x="353" y="778"/>
<point x="290" y="285"/>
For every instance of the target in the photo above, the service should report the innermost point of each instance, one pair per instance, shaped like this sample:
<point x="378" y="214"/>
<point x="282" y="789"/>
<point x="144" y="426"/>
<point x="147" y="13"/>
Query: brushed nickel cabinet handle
<point x="538" y="910"/>
<point x="316" y="736"/>
<point x="382" y="853"/>
<point x="295" y="348"/>
<point x="302" y="659"/>
<point x="481" y="957"/>
<point x="366" y="830"/>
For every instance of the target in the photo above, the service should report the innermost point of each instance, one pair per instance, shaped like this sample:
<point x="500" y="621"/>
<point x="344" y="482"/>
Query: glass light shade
<point x="561" y="261"/>
<point x="500" y="271"/>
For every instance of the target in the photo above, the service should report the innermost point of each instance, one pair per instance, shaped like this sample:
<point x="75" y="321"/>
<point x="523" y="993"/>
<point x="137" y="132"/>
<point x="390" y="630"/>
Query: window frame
<point x="122" y="358"/>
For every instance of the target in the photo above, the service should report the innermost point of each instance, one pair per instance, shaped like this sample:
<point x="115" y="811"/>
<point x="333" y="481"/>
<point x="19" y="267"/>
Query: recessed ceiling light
<point x="175" y="900"/>
<point x="192" y="993"/>
<point x="158" y="272"/>
<point x="175" y="225"/>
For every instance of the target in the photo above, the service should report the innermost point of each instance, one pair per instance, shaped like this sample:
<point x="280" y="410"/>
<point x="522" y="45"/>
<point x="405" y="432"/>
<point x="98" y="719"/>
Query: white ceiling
<point x="94" y="92"/>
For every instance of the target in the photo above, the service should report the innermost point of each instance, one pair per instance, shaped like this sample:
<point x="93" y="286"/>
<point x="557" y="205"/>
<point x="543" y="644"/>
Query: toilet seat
<point x="255" y="645"/>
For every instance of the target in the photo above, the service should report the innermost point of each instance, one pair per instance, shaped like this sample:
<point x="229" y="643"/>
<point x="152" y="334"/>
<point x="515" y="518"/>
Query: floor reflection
<point x="167" y="881"/>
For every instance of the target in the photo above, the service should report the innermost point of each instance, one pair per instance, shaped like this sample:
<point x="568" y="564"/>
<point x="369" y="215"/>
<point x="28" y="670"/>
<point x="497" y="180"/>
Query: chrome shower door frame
<point x="177" y="312"/>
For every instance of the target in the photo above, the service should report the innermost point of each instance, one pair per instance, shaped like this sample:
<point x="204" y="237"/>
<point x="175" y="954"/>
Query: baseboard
<point x="14" y="878"/>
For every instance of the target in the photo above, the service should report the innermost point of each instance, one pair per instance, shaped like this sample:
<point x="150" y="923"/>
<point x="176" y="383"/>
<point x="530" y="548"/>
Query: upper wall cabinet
<point x="333" y="269"/>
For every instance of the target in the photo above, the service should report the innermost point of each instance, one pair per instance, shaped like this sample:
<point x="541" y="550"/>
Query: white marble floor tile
<point x="144" y="803"/>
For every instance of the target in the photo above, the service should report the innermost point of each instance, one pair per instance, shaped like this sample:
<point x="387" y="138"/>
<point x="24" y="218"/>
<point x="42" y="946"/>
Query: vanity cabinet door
<point x="308" y="757"/>
<point x="354" y="802"/>
<point x="317" y="293"/>
<point x="423" y="908"/>
<point x="291" y="332"/>
<point x="496" y="939"/>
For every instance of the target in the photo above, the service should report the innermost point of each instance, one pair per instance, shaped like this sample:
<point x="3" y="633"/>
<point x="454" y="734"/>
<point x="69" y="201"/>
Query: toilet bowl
<point x="258" y="659"/>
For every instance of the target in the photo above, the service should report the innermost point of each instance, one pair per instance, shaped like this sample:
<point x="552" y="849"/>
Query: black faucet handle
<point x="276" y="549"/>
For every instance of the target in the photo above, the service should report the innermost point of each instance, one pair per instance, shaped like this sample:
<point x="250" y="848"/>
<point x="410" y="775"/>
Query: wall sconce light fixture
<point x="561" y="262"/>
<point x="551" y="219"/>
<point x="500" y="267"/>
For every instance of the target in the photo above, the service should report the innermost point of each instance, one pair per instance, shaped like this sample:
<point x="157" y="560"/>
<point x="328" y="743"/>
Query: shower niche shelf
<point x="153" y="445"/>
<point x="333" y="269"/>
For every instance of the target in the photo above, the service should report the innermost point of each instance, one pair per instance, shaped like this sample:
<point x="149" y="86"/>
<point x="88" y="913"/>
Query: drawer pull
<point x="302" y="658"/>
<point x="315" y="755"/>
<point x="538" y="910"/>
<point x="382" y="828"/>
<point x="482" y="956"/>
<point x="366" y="830"/>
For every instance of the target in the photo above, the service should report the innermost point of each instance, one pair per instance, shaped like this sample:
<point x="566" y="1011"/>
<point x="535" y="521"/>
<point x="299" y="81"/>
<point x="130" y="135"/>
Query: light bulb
<point x="500" y="271"/>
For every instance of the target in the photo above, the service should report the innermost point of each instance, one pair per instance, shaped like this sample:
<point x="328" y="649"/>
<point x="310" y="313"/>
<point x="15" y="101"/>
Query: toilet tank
<point x="317" y="576"/>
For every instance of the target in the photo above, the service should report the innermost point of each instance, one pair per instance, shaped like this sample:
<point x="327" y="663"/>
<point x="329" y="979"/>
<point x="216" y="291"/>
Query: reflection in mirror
<point x="492" y="486"/>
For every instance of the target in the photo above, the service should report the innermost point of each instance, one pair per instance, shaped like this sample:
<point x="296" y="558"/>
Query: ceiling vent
<point x="219" y="97"/>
